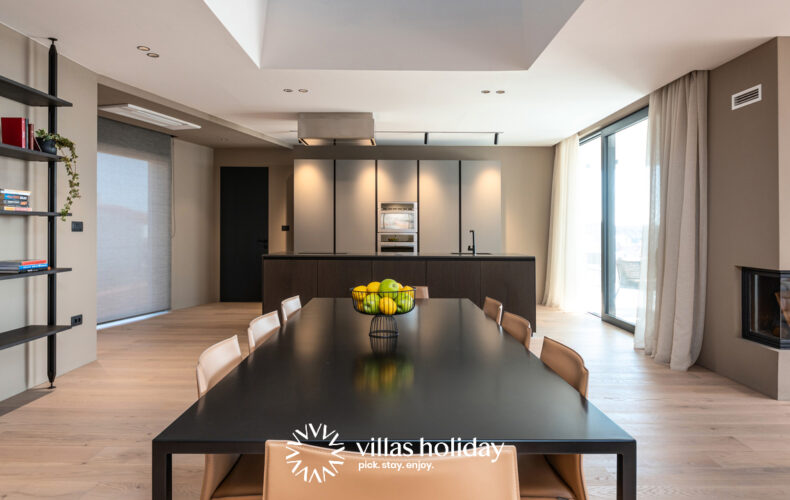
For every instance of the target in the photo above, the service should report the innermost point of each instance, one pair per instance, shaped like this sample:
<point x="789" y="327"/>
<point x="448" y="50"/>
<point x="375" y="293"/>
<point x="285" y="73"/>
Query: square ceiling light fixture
<point x="148" y="116"/>
<point x="327" y="129"/>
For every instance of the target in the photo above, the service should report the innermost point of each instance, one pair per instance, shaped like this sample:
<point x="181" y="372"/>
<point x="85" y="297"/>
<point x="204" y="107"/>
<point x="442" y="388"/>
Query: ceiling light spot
<point x="485" y="91"/>
<point x="303" y="91"/>
<point x="152" y="54"/>
<point x="143" y="48"/>
<point x="500" y="91"/>
<point x="288" y="90"/>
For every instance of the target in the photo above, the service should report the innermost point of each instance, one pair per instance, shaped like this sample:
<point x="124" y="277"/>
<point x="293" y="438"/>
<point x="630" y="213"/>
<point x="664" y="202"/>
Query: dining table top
<point x="451" y="373"/>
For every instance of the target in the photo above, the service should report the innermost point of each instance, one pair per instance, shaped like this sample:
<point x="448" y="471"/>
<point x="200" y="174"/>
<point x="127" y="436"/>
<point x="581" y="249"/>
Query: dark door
<point x="244" y="232"/>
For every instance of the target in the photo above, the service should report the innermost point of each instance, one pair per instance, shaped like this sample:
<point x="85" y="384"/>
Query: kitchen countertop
<point x="396" y="256"/>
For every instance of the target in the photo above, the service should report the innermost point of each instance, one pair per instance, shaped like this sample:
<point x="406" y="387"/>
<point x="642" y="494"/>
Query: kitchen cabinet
<point x="439" y="206"/>
<point x="355" y="210"/>
<point x="397" y="180"/>
<point x="313" y="206"/>
<point x="481" y="205"/>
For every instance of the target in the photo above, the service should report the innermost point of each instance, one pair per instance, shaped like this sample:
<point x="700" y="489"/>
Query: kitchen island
<point x="509" y="278"/>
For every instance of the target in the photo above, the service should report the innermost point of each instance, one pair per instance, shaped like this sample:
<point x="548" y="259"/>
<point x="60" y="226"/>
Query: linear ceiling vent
<point x="326" y="129"/>
<point x="748" y="96"/>
<point x="149" y="116"/>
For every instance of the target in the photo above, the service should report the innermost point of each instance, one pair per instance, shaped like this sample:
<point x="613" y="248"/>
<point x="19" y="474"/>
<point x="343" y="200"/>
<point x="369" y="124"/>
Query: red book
<point x="14" y="131"/>
<point x="31" y="139"/>
<point x="31" y="262"/>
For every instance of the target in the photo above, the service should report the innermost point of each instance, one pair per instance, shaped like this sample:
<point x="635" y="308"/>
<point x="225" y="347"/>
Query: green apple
<point x="371" y="304"/>
<point x="389" y="288"/>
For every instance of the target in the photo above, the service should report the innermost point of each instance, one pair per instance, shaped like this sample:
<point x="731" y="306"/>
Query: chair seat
<point x="537" y="479"/>
<point x="244" y="481"/>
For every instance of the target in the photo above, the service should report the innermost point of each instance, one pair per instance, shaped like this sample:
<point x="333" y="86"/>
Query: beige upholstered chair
<point x="261" y="328"/>
<point x="493" y="309"/>
<point x="456" y="477"/>
<point x="421" y="292"/>
<point x="289" y="306"/>
<point x="556" y="476"/>
<point x="226" y="476"/>
<point x="517" y="327"/>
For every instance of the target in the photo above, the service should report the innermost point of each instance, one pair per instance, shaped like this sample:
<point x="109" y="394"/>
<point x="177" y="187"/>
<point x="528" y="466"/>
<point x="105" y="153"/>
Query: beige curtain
<point x="672" y="311"/>
<point x="562" y="263"/>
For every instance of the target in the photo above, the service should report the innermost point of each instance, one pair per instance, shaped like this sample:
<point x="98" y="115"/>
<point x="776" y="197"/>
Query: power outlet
<point x="76" y="320"/>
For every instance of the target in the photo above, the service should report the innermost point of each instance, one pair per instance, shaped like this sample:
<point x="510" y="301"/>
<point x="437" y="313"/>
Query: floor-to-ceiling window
<point x="589" y="223"/>
<point x="133" y="180"/>
<point x="614" y="169"/>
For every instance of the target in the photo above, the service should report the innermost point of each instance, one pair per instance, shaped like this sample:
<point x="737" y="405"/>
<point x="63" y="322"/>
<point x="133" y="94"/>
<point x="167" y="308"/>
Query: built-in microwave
<point x="403" y="243"/>
<point x="397" y="217"/>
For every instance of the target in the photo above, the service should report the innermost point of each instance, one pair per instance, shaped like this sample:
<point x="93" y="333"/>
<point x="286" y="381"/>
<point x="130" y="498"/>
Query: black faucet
<point x="473" y="247"/>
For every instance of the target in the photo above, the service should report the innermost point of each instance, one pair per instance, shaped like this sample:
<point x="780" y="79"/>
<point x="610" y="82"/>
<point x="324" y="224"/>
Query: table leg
<point x="626" y="473"/>
<point x="161" y="474"/>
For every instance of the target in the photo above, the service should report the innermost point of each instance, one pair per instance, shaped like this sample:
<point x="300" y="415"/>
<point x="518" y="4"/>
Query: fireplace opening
<point x="765" y="307"/>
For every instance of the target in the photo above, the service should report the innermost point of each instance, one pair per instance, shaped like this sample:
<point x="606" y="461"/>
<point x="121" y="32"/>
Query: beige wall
<point x="195" y="254"/>
<point x="24" y="300"/>
<point x="526" y="186"/>
<point x="745" y="211"/>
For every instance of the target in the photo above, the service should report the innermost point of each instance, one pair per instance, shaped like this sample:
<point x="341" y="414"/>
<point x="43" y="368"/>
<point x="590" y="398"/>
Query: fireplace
<point x="765" y="307"/>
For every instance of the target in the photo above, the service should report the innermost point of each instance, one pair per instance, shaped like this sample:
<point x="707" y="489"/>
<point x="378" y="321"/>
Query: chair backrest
<point x="261" y="328"/>
<point x="566" y="363"/>
<point x="216" y="362"/>
<point x="290" y="306"/>
<point x="457" y="477"/>
<point x="517" y="327"/>
<point x="569" y="365"/>
<point x="421" y="292"/>
<point x="493" y="309"/>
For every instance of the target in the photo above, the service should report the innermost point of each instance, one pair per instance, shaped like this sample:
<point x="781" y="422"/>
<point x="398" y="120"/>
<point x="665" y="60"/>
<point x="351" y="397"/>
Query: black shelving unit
<point x="29" y="96"/>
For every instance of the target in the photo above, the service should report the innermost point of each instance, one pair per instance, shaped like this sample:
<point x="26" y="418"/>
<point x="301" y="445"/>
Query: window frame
<point x="607" y="211"/>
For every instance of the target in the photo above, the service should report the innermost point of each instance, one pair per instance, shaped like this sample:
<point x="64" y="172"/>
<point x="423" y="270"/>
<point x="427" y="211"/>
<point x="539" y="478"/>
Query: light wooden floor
<point x="699" y="435"/>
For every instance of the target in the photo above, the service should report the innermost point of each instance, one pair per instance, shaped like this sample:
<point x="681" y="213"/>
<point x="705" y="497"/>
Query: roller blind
<point x="133" y="221"/>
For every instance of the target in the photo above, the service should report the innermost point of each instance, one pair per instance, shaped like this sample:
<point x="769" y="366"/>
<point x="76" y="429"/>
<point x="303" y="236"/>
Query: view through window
<point x="613" y="213"/>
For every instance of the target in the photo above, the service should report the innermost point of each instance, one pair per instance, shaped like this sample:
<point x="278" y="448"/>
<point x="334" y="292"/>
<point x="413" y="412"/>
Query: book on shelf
<point x="14" y="200"/>
<point x="22" y="203"/>
<point x="20" y="192"/>
<point x="14" y="131"/>
<point x="22" y="266"/>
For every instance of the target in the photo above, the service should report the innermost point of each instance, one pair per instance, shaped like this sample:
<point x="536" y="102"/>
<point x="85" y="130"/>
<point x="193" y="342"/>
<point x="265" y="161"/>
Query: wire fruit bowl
<point x="383" y="303"/>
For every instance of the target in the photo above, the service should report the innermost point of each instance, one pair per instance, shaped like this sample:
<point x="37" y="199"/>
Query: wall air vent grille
<point x="748" y="96"/>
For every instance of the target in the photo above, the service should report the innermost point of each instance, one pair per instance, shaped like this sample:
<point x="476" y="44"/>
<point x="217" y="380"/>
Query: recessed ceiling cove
<point x="436" y="35"/>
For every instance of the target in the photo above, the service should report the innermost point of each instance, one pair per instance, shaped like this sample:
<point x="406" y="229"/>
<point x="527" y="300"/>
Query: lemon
<point x="387" y="306"/>
<point x="400" y="287"/>
<point x="373" y="287"/>
<point x="359" y="293"/>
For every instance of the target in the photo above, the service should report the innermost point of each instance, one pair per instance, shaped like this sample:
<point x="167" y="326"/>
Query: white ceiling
<point x="608" y="54"/>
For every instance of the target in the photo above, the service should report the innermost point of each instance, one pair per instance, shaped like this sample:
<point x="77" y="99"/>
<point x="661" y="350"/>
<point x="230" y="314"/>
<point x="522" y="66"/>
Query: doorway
<point x="244" y="231"/>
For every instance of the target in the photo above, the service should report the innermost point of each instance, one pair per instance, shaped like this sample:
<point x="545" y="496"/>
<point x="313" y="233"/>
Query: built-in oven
<point x="401" y="243"/>
<point x="397" y="217"/>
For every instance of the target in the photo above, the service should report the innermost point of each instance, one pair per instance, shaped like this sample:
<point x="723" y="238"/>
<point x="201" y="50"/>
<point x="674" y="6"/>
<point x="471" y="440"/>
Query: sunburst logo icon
<point x="317" y="472"/>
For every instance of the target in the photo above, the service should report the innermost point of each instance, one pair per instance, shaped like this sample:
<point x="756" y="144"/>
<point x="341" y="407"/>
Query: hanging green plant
<point x="57" y="144"/>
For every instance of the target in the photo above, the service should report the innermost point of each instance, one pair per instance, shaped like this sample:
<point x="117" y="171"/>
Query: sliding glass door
<point x="625" y="185"/>
<point x="589" y="224"/>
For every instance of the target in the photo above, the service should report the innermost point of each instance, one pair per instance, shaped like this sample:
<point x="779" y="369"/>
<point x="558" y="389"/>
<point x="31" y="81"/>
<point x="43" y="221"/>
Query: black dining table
<point x="451" y="373"/>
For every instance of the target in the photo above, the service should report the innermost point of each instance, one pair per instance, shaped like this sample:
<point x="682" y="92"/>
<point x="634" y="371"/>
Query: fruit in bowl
<point x="385" y="297"/>
<point x="371" y="303"/>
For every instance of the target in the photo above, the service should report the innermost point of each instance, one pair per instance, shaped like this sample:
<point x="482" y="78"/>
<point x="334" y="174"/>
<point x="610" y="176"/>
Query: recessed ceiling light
<point x="485" y="91"/>
<point x="143" y="48"/>
<point x="152" y="54"/>
<point x="500" y="91"/>
<point x="303" y="91"/>
<point x="288" y="90"/>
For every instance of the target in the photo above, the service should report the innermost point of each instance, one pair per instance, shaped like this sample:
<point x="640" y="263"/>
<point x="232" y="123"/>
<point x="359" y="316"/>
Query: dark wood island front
<point x="507" y="278"/>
